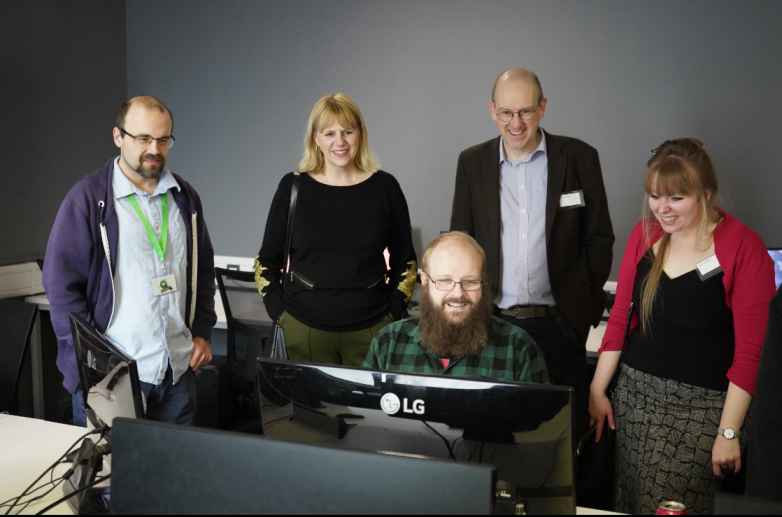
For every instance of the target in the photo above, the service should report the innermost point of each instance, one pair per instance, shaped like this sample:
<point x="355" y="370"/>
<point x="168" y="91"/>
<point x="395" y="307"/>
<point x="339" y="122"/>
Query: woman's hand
<point x="725" y="456"/>
<point x="600" y="410"/>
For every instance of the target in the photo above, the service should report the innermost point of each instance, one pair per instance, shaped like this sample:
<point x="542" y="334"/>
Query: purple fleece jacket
<point x="76" y="272"/>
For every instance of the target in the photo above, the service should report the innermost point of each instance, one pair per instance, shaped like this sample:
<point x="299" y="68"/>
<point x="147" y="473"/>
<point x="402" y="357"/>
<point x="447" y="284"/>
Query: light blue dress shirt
<point x="523" y="186"/>
<point x="150" y="328"/>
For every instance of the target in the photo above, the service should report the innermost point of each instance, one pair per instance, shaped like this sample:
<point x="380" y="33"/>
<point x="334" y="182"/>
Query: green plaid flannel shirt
<point x="510" y="355"/>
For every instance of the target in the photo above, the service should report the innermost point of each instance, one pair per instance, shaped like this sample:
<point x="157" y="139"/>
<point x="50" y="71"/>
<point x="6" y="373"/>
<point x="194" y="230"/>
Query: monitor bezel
<point x="560" y="496"/>
<point x="79" y="327"/>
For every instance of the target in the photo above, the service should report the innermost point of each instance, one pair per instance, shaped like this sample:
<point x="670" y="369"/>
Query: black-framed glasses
<point x="505" y="115"/>
<point x="163" y="141"/>
<point x="447" y="284"/>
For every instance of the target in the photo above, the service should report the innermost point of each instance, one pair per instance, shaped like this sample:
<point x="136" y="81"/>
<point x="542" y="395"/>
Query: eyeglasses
<point x="145" y="140"/>
<point x="506" y="115"/>
<point x="447" y="284"/>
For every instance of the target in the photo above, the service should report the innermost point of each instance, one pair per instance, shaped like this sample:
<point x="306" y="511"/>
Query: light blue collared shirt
<point x="523" y="186"/>
<point x="150" y="328"/>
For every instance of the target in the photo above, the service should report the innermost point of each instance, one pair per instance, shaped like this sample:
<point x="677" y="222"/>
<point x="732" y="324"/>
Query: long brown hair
<point x="679" y="166"/>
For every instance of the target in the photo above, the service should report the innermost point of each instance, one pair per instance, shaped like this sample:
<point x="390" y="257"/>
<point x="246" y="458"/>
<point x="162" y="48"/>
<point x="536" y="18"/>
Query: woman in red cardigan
<point x="685" y="333"/>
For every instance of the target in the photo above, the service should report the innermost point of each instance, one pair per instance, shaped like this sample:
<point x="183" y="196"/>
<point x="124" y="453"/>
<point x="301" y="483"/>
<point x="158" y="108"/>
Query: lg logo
<point x="390" y="404"/>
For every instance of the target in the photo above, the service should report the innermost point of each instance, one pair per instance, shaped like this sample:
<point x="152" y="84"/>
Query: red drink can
<point x="671" y="508"/>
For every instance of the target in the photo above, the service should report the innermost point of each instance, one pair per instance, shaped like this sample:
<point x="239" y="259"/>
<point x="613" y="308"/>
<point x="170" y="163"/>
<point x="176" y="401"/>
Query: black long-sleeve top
<point x="340" y="280"/>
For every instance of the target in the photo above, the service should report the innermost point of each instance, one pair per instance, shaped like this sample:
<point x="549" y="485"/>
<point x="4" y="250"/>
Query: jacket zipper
<point x="104" y="237"/>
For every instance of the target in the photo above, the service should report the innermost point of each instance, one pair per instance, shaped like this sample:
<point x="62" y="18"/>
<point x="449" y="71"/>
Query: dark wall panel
<point x="63" y="76"/>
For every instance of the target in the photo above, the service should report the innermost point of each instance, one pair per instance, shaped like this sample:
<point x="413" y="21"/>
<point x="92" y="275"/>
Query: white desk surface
<point x="31" y="445"/>
<point x="595" y="337"/>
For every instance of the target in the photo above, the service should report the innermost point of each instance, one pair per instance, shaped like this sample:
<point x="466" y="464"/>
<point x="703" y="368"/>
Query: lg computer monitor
<point x="776" y="256"/>
<point x="523" y="430"/>
<point x="108" y="377"/>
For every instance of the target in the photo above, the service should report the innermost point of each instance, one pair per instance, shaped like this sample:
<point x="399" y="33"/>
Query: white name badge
<point x="164" y="285"/>
<point x="708" y="267"/>
<point x="572" y="199"/>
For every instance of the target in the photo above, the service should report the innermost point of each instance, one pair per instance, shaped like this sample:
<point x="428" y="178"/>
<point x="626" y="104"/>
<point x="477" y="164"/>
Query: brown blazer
<point x="579" y="241"/>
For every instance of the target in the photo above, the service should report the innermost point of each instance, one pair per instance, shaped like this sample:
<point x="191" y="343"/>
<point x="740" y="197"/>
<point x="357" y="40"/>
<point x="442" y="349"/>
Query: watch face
<point x="729" y="433"/>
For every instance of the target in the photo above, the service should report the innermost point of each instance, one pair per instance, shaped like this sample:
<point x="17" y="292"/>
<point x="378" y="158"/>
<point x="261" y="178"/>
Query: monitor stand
<point x="87" y="462"/>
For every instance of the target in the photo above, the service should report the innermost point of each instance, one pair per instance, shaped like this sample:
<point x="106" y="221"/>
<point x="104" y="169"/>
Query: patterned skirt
<point x="665" y="433"/>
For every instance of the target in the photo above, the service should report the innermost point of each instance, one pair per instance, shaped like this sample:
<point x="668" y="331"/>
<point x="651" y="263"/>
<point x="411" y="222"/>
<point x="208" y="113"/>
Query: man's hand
<point x="202" y="353"/>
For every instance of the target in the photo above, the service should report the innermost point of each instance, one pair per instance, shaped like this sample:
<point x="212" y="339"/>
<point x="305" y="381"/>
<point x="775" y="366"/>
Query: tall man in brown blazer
<point x="536" y="203"/>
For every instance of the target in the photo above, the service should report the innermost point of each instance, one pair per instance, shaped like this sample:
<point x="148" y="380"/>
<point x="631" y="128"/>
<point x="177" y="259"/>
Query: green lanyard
<point x="158" y="244"/>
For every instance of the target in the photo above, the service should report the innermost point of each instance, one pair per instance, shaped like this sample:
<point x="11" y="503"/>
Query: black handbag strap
<point x="289" y="227"/>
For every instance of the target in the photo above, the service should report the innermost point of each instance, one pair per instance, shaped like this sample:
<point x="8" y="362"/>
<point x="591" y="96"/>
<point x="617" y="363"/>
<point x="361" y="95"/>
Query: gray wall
<point x="242" y="76"/>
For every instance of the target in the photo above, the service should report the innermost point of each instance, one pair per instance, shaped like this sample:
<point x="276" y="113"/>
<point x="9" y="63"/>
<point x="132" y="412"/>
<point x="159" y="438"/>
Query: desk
<point x="31" y="445"/>
<point x="43" y="304"/>
<point x="595" y="337"/>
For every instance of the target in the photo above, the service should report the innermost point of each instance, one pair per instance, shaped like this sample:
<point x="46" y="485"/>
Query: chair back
<point x="249" y="329"/>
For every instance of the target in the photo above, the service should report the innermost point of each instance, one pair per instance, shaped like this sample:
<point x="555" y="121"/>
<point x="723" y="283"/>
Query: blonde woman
<point x="338" y="289"/>
<point x="694" y="289"/>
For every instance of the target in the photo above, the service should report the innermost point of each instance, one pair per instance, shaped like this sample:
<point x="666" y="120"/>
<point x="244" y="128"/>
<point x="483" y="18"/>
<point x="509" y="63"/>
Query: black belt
<point x="521" y="312"/>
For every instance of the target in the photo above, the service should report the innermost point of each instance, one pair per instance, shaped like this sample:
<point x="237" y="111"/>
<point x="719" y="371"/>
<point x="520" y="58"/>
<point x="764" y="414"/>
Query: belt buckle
<point x="522" y="312"/>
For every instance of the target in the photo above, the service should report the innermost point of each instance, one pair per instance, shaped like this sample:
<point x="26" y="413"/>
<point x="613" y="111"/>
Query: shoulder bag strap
<point x="289" y="227"/>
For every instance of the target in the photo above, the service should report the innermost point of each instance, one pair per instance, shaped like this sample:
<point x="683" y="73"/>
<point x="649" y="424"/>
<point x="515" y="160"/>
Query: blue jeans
<point x="166" y="402"/>
<point x="79" y="413"/>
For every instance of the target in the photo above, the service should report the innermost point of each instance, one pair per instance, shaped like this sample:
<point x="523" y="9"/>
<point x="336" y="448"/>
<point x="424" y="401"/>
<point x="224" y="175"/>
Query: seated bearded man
<point x="456" y="333"/>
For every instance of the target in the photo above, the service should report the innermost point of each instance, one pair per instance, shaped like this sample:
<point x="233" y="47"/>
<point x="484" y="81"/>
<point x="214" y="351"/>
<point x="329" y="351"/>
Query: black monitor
<point x="110" y="386"/>
<point x="776" y="256"/>
<point x="163" y="468"/>
<point x="523" y="430"/>
<point x="108" y="377"/>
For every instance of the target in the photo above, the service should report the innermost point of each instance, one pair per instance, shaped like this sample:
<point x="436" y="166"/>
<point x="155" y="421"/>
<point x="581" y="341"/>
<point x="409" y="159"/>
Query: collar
<point x="123" y="187"/>
<point x="541" y="148"/>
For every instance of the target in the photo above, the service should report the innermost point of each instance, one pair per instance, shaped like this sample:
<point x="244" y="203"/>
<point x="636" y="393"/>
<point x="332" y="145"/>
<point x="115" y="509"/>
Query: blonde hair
<point x="679" y="166"/>
<point x="341" y="109"/>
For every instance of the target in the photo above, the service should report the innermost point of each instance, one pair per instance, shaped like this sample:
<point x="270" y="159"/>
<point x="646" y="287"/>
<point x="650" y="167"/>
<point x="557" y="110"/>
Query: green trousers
<point x="348" y="348"/>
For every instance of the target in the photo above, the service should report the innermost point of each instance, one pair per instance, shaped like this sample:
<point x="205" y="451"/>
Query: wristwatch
<point x="727" y="432"/>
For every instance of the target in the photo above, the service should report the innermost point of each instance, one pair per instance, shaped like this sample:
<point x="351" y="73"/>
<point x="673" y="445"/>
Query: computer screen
<point x="523" y="430"/>
<point x="162" y="468"/>
<point x="776" y="256"/>
<point x="108" y="377"/>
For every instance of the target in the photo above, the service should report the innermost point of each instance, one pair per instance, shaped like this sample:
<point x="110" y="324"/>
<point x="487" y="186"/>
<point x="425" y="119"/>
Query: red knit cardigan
<point x="749" y="287"/>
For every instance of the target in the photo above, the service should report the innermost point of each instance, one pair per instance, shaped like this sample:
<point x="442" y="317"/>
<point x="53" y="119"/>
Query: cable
<point x="82" y="489"/>
<point x="7" y="502"/>
<point x="443" y="438"/>
<point x="59" y="460"/>
<point x="56" y="484"/>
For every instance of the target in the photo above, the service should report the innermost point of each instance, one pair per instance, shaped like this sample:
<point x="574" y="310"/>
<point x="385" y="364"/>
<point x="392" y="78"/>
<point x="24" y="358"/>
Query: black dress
<point x="670" y="393"/>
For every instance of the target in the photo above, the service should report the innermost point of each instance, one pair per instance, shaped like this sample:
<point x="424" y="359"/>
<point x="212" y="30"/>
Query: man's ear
<point x="493" y="110"/>
<point x="116" y="135"/>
